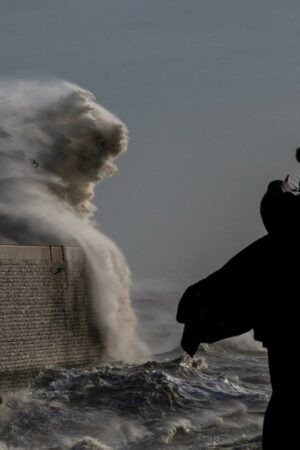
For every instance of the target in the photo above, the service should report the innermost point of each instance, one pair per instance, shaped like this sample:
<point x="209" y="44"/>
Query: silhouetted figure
<point x="257" y="289"/>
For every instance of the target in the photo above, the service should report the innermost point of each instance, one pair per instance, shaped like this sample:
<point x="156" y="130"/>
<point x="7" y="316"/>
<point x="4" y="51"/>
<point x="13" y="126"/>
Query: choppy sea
<point x="215" y="401"/>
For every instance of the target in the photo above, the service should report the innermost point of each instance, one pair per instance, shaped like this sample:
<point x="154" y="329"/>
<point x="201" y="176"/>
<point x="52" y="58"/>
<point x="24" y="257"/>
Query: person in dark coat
<point x="257" y="289"/>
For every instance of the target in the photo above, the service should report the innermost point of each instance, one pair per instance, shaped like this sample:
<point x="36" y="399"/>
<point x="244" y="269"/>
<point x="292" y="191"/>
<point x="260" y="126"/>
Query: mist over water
<point x="56" y="144"/>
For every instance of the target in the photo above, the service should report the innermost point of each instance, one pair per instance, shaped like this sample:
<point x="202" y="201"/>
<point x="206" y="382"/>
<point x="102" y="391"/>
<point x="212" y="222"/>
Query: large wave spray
<point x="56" y="144"/>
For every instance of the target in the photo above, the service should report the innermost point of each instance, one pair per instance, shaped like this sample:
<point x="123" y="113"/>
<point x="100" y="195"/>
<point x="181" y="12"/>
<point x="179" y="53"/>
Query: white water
<point x="56" y="144"/>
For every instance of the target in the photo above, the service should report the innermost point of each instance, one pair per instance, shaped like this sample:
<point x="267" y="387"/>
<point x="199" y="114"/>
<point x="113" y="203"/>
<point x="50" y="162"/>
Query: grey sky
<point x="210" y="93"/>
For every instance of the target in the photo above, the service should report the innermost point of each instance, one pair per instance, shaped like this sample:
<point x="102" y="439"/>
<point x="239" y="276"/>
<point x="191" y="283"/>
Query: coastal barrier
<point x="45" y="312"/>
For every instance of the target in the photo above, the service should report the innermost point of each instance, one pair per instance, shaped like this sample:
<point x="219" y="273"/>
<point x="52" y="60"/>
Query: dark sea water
<point x="215" y="401"/>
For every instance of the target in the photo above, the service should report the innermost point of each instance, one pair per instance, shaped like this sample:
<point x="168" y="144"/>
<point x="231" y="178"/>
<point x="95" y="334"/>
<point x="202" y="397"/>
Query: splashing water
<point x="56" y="144"/>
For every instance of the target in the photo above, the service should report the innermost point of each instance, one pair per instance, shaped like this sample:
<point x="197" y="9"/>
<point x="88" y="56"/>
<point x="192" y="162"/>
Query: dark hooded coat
<point x="256" y="288"/>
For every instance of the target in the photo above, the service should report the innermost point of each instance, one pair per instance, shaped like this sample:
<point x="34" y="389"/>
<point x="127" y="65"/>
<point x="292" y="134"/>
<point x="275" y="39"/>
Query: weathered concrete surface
<point x="45" y="313"/>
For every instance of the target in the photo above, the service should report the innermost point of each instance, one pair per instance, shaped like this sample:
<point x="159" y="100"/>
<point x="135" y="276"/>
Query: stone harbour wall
<point x="45" y="312"/>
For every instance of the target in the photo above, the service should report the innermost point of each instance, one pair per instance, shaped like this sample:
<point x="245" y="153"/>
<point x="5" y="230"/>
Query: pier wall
<point x="45" y="312"/>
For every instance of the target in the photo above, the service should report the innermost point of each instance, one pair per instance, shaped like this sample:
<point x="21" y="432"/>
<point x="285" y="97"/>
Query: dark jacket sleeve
<point x="222" y="305"/>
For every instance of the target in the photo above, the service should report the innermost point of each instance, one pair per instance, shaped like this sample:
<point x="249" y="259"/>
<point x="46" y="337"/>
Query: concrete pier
<point x="45" y="312"/>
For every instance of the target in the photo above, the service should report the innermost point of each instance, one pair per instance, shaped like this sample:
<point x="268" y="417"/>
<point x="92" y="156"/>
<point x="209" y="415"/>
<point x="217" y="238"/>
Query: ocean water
<point x="215" y="401"/>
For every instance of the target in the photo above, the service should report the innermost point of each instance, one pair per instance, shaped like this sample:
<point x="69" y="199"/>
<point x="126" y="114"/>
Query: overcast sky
<point x="210" y="92"/>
